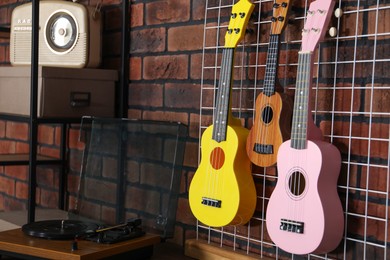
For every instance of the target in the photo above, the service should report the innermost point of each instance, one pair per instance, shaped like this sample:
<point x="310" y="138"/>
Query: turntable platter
<point x="58" y="229"/>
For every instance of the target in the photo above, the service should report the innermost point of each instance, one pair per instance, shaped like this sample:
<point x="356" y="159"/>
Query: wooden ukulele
<point x="304" y="214"/>
<point x="222" y="191"/>
<point x="272" y="109"/>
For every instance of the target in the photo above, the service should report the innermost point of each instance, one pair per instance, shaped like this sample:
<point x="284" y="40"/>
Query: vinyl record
<point x="58" y="229"/>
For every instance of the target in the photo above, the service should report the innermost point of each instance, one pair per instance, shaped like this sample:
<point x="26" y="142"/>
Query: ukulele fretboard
<point x="223" y="96"/>
<point x="301" y="102"/>
<point x="271" y="65"/>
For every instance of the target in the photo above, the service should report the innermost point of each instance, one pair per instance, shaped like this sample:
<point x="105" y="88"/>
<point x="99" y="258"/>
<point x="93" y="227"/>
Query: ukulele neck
<point x="222" y="107"/>
<point x="301" y="112"/>
<point x="271" y="68"/>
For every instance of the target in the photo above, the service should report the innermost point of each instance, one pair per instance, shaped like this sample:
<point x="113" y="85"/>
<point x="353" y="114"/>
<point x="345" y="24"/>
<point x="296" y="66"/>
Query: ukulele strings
<point x="300" y="137"/>
<point x="269" y="83"/>
<point x="303" y="99"/>
<point x="217" y="156"/>
<point x="305" y="117"/>
<point x="224" y="88"/>
<point x="295" y="138"/>
<point x="299" y="141"/>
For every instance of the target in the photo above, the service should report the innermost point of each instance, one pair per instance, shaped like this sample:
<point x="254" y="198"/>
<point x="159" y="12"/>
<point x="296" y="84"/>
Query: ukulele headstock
<point x="278" y="19"/>
<point x="239" y="18"/>
<point x="317" y="19"/>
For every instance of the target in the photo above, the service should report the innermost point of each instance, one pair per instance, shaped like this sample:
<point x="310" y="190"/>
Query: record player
<point x="15" y="243"/>
<point x="77" y="230"/>
<point x="128" y="196"/>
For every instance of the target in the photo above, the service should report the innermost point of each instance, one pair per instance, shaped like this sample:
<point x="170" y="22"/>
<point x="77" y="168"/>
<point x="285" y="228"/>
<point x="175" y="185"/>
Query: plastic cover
<point x="131" y="169"/>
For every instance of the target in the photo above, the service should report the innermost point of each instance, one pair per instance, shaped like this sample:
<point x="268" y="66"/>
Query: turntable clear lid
<point x="131" y="169"/>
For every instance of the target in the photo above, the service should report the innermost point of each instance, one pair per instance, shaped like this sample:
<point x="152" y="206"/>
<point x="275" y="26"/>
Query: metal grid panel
<point x="351" y="106"/>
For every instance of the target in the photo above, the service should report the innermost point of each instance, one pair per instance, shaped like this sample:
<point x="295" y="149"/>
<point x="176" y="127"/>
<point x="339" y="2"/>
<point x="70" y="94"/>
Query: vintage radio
<point x="69" y="35"/>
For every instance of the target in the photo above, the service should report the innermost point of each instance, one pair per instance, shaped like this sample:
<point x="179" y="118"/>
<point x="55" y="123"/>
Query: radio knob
<point x="61" y="31"/>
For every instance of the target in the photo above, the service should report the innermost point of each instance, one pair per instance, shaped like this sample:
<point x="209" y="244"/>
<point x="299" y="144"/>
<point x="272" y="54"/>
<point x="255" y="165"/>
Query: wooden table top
<point x="15" y="241"/>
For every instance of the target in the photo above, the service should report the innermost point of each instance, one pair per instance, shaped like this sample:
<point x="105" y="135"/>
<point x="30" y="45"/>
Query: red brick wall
<point x="166" y="43"/>
<point x="351" y="128"/>
<point x="165" y="84"/>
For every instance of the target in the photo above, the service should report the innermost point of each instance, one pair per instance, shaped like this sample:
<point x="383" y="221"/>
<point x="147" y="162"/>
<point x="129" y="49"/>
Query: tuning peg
<point x="332" y="31"/>
<point x="338" y="12"/>
<point x="276" y="5"/>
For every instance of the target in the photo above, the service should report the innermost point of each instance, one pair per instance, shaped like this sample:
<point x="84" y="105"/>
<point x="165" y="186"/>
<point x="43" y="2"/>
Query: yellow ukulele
<point x="273" y="110"/>
<point x="222" y="191"/>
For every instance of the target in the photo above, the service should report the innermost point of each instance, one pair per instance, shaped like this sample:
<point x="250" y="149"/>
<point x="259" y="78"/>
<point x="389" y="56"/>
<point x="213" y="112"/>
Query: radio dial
<point x="61" y="30"/>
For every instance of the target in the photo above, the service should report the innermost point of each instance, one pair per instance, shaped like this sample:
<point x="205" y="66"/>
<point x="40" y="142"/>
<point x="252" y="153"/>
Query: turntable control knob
<point x="75" y="245"/>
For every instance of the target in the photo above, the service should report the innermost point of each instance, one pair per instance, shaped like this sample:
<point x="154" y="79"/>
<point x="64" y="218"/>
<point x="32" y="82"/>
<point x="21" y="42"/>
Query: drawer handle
<point x="80" y="99"/>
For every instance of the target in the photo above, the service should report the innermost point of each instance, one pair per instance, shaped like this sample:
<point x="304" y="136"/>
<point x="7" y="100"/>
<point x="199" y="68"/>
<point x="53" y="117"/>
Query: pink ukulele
<point x="304" y="214"/>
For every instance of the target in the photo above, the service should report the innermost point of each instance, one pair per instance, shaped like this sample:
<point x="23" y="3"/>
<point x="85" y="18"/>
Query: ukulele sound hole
<point x="267" y="114"/>
<point x="217" y="158"/>
<point x="297" y="183"/>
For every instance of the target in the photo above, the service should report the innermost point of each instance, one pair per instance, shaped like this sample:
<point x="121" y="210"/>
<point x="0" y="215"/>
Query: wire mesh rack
<point x="350" y="104"/>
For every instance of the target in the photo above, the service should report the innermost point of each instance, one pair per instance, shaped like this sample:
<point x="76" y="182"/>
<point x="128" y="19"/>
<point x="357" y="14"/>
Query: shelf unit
<point x="24" y="159"/>
<point x="33" y="159"/>
<point x="4" y="32"/>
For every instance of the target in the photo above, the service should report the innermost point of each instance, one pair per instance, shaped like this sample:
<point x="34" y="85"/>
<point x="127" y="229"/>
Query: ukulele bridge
<point x="211" y="202"/>
<point x="263" y="148"/>
<point x="291" y="226"/>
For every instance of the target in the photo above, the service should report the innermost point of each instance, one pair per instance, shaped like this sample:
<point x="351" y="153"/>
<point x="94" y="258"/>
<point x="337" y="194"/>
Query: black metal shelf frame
<point x="33" y="159"/>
